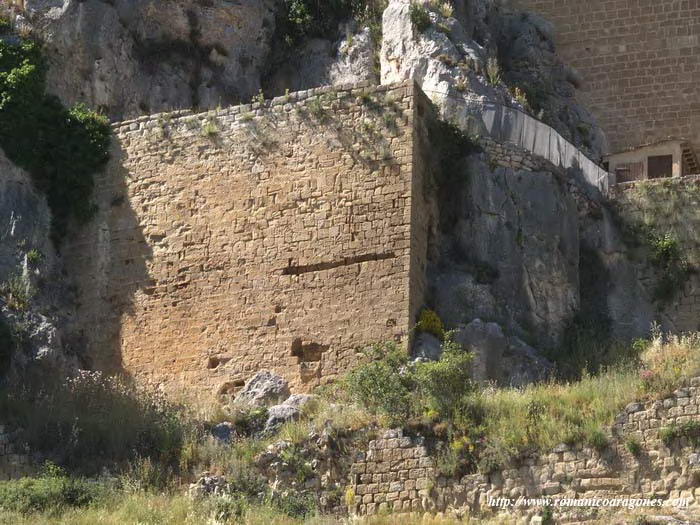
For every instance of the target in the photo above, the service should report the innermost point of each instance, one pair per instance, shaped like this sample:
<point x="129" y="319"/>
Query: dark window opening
<point x="629" y="172"/>
<point x="660" y="166"/>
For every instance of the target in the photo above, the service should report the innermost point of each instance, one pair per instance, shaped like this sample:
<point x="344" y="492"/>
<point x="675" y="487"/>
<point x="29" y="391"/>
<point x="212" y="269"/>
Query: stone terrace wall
<point x="267" y="236"/>
<point x="670" y="206"/>
<point x="640" y="62"/>
<point x="398" y="473"/>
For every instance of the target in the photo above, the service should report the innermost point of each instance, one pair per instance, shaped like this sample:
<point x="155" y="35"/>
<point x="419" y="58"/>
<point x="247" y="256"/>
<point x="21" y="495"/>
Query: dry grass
<point x="581" y="411"/>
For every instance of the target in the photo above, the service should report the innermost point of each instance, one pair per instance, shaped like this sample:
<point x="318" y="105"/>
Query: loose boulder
<point x="487" y="342"/>
<point x="263" y="389"/>
<point x="288" y="411"/>
<point x="507" y="360"/>
<point x="427" y="347"/>
<point x="224" y="431"/>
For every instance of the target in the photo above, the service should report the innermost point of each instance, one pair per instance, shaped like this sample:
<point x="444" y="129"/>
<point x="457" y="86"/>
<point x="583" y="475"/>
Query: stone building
<point x="640" y="62"/>
<point x="668" y="158"/>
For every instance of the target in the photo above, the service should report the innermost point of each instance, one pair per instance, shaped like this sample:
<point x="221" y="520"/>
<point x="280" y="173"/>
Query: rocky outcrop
<point x="507" y="361"/>
<point x="323" y="61"/>
<point x="286" y="412"/>
<point x="479" y="55"/>
<point x="263" y="389"/>
<point x="31" y="288"/>
<point x="133" y="57"/>
<point x="509" y="252"/>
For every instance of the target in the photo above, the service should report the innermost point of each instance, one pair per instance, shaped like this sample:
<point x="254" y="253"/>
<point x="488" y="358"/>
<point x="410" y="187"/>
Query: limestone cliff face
<point x="479" y="55"/>
<point x="134" y="57"/>
<point x="31" y="293"/>
<point x="137" y="57"/>
<point x="511" y="252"/>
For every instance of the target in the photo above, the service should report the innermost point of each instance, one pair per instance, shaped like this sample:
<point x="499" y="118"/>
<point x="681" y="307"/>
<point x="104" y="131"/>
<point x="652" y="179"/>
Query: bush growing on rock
<point x="430" y="322"/>
<point x="395" y="387"/>
<point x="60" y="148"/>
<point x="300" y="19"/>
<point x="420" y="17"/>
<point x="384" y="384"/>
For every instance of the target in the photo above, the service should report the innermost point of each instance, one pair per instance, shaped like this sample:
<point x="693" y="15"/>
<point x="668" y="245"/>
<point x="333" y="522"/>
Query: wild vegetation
<point x="151" y="447"/>
<point x="302" y="19"/>
<point x="61" y="148"/>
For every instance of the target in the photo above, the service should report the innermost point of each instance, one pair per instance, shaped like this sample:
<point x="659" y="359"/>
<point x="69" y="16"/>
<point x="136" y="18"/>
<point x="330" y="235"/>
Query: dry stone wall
<point x="639" y="62"/>
<point x="272" y="236"/>
<point x="399" y="473"/>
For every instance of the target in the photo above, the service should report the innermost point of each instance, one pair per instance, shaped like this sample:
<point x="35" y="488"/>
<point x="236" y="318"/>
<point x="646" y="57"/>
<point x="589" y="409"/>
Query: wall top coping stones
<point x="359" y="88"/>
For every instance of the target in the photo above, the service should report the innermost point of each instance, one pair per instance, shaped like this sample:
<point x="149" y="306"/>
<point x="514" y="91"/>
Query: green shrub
<point x="302" y="19"/>
<point x="443" y="7"/>
<point x="53" y="491"/>
<point x="60" y="148"/>
<point x="209" y="128"/>
<point x="5" y="26"/>
<point x="392" y="386"/>
<point x="444" y="383"/>
<point x="293" y="503"/>
<point x="420" y="17"/>
<point x="689" y="430"/>
<point x="249" y="420"/>
<point x="674" y="270"/>
<point x="292" y="456"/>
<point x="34" y="257"/>
<point x="429" y="322"/>
<point x="597" y="440"/>
<point x="17" y="293"/>
<point x="634" y="446"/>
<point x="493" y="71"/>
<point x="669" y="434"/>
<point x="380" y="384"/>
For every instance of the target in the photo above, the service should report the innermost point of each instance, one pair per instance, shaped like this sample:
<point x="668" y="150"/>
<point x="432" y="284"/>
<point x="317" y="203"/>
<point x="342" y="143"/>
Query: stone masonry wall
<point x="639" y="61"/>
<point x="398" y="473"/>
<point x="273" y="236"/>
<point x="670" y="206"/>
<point x="511" y="156"/>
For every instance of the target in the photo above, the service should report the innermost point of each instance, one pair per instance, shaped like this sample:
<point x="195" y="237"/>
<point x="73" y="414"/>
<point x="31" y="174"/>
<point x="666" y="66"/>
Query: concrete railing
<point x="511" y="125"/>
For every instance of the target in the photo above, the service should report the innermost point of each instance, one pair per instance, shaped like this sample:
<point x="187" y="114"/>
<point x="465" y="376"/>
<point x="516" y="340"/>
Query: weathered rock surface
<point x="320" y="62"/>
<point x="288" y="411"/>
<point x="299" y="401"/>
<point x="263" y="389"/>
<point x="30" y="279"/>
<point x="208" y="485"/>
<point x="278" y="415"/>
<point x="510" y="254"/>
<point x="427" y="346"/>
<point x="522" y="365"/>
<point x="487" y="342"/>
<point x="133" y="57"/>
<point x="479" y="56"/>
<point x="506" y="360"/>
